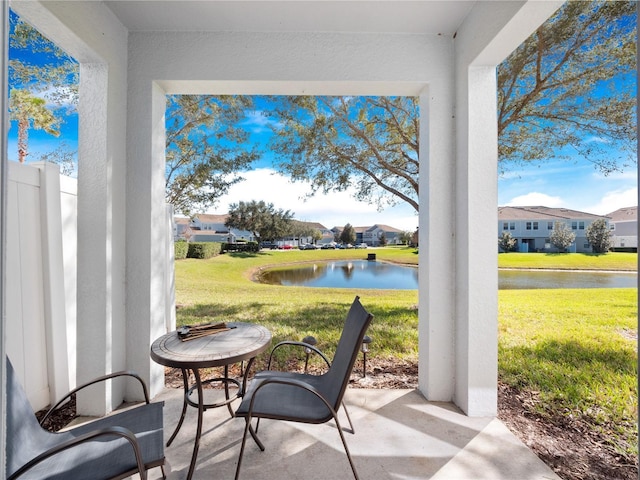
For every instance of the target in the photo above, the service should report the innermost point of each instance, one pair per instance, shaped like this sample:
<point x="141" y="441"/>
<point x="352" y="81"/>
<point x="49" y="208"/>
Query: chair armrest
<point x="94" y="381"/>
<point x="109" y="431"/>
<point x="297" y="344"/>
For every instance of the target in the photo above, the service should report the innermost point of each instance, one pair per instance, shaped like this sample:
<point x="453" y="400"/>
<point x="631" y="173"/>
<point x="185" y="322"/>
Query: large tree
<point x="206" y="148"/>
<point x="261" y="219"/>
<point x="29" y="112"/>
<point x="369" y="144"/>
<point x="44" y="86"/>
<point x="569" y="88"/>
<point x="40" y="66"/>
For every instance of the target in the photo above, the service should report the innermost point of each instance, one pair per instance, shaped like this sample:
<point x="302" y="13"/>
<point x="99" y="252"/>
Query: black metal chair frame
<point x="358" y="319"/>
<point x="97" y="433"/>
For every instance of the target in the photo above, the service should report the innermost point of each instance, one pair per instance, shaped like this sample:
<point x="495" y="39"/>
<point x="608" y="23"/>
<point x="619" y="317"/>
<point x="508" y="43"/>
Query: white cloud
<point x="536" y="199"/>
<point x="334" y="209"/>
<point x="256" y="122"/>
<point x="614" y="200"/>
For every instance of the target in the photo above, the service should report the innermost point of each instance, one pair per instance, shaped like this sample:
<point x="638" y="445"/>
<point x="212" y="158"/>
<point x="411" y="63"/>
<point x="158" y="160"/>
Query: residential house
<point x="372" y="236"/>
<point x="211" y="228"/>
<point x="624" y="227"/>
<point x="180" y="228"/>
<point x="532" y="227"/>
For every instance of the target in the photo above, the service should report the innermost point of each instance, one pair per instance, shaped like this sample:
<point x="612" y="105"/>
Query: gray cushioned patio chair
<point x="112" y="447"/>
<point x="306" y="398"/>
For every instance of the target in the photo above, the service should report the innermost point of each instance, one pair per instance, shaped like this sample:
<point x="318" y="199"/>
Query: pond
<point x="382" y="275"/>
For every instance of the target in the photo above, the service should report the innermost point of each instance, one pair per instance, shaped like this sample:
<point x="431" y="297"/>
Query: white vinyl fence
<point x="41" y="279"/>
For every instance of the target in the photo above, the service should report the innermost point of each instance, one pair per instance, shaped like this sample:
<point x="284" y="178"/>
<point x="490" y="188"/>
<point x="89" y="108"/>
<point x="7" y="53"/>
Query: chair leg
<point x="244" y="441"/>
<point x="346" y="449"/>
<point x="344" y="406"/>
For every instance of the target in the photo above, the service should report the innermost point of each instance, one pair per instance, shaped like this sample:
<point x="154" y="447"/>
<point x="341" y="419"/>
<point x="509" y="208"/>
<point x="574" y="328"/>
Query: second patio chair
<point x="112" y="447"/>
<point x="301" y="397"/>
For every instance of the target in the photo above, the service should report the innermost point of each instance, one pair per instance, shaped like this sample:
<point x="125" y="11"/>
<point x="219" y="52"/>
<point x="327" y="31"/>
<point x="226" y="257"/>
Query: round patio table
<point x="239" y="342"/>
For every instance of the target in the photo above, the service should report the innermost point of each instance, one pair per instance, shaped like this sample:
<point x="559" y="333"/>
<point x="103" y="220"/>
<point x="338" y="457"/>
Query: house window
<point x="528" y="225"/>
<point x="512" y="226"/>
<point x="580" y="225"/>
<point x="549" y="225"/>
<point x="535" y="225"/>
<point x="574" y="225"/>
<point x="612" y="226"/>
<point x="505" y="225"/>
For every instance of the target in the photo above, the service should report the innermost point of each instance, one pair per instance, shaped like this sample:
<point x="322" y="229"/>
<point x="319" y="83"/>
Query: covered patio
<point x="132" y="54"/>
<point x="399" y="435"/>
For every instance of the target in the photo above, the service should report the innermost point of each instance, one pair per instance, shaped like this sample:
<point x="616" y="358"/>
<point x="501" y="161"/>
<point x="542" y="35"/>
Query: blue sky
<point x="573" y="183"/>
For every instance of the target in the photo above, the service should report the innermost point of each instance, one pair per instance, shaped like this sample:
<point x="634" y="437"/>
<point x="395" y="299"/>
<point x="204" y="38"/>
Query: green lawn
<point x="573" y="350"/>
<point x="570" y="261"/>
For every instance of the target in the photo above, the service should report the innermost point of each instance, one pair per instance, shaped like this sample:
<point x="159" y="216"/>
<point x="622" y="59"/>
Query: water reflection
<point x="373" y="274"/>
<point x="346" y="274"/>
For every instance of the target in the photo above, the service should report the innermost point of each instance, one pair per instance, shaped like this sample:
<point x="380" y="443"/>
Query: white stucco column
<point x="436" y="294"/>
<point x="146" y="230"/>
<point x="490" y="32"/>
<point x="476" y="251"/>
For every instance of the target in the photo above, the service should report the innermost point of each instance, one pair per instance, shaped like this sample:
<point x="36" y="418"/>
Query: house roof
<point x="627" y="214"/>
<point x="384" y="228"/>
<point x="543" y="213"/>
<point x="212" y="218"/>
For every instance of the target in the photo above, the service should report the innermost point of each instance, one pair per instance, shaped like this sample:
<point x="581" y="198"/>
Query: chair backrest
<point x="25" y="436"/>
<point x="337" y="378"/>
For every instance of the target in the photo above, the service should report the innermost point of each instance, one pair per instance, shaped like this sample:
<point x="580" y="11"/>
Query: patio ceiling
<point x="408" y="17"/>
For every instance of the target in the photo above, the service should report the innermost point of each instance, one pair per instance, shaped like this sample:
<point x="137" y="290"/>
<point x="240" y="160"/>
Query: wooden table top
<point x="242" y="342"/>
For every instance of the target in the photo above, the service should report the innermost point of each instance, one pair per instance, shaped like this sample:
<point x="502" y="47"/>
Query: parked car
<point x="361" y="245"/>
<point x="285" y="247"/>
<point x="328" y="246"/>
<point x="269" y="245"/>
<point x="308" y="246"/>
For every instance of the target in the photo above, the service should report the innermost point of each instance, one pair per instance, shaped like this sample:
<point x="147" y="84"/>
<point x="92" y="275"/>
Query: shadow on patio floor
<point x="399" y="435"/>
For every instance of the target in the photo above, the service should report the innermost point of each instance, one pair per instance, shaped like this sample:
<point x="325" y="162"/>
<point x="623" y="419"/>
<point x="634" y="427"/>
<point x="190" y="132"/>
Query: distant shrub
<point x="181" y="248"/>
<point x="203" y="250"/>
<point x="241" y="247"/>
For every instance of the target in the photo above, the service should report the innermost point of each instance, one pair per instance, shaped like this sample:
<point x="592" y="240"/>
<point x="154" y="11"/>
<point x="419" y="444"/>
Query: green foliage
<point x="368" y="143"/>
<point x="599" y="236"/>
<point x="506" y="242"/>
<point x="205" y="149"/>
<point x="348" y="234"/>
<point x="405" y="237"/>
<point x="562" y="236"/>
<point x="260" y="218"/>
<point x="30" y="112"/>
<point x="383" y="239"/>
<point x="181" y="248"/>
<point x="203" y="250"/>
<point x="572" y="84"/>
<point x="241" y="247"/>
<point x="55" y="76"/>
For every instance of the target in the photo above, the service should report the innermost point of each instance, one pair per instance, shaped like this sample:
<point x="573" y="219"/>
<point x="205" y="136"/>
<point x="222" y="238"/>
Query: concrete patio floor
<point x="399" y="435"/>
